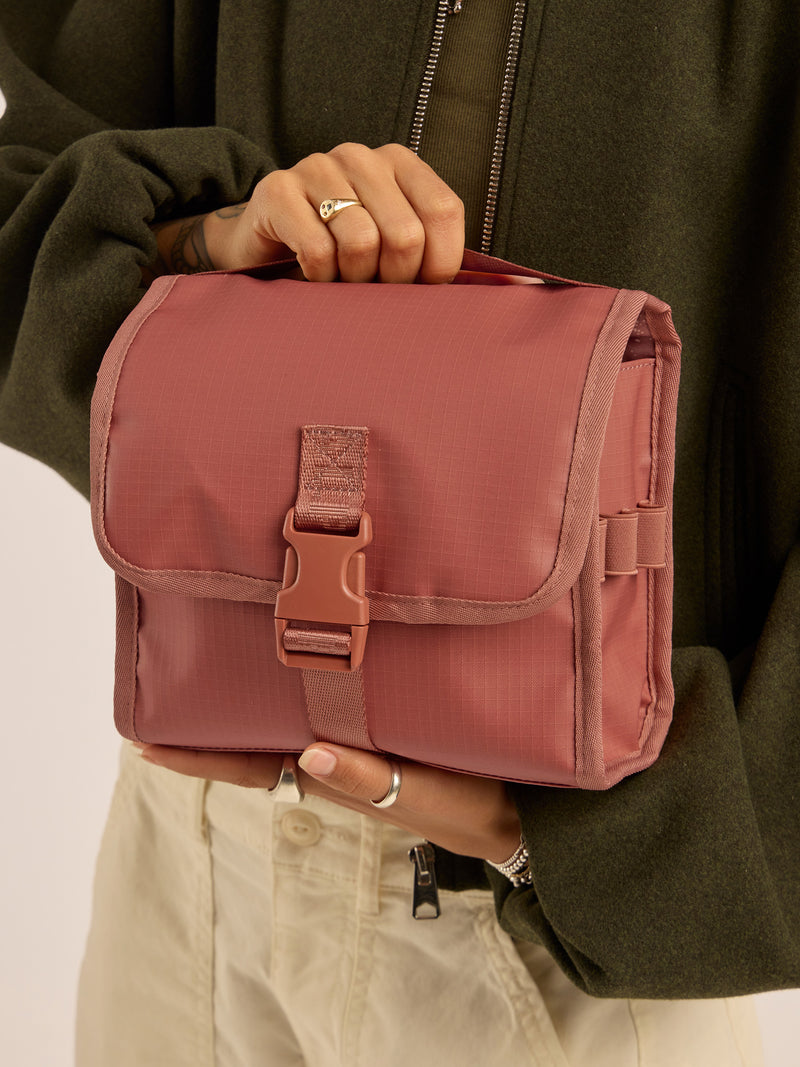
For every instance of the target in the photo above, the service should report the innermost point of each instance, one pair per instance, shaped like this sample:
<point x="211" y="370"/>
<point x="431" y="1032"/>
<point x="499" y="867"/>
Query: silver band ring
<point x="329" y="209"/>
<point x="287" y="789"/>
<point x="394" y="788"/>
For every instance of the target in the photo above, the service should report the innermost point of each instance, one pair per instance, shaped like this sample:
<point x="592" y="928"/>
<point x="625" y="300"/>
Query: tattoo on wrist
<point x="232" y="211"/>
<point x="189" y="254"/>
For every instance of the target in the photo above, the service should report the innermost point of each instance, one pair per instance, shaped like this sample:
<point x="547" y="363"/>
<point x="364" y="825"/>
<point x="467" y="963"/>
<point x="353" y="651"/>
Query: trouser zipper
<point x="425" y="900"/>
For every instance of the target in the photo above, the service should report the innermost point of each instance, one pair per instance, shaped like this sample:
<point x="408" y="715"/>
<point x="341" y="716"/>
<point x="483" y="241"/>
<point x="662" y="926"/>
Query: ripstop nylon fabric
<point x="504" y="420"/>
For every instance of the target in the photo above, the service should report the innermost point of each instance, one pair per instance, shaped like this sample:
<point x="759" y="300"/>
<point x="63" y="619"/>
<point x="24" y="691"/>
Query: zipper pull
<point x="455" y="7"/>
<point x="426" y="893"/>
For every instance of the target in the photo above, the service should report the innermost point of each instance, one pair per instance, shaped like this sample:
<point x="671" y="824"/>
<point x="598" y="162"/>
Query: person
<point x="652" y="148"/>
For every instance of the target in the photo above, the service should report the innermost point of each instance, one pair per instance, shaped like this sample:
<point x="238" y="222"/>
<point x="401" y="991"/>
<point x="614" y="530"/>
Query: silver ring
<point x="287" y="788"/>
<point x="329" y="209"/>
<point x="394" y="788"/>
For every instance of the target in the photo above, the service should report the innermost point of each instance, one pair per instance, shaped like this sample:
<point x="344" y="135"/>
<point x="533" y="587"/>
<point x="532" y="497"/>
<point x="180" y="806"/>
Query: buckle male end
<point x="324" y="583"/>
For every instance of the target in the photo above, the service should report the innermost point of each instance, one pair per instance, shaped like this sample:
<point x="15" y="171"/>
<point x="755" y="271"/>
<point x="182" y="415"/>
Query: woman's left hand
<point x="467" y="815"/>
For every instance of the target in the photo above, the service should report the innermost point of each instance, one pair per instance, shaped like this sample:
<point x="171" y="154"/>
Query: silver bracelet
<point x="517" y="868"/>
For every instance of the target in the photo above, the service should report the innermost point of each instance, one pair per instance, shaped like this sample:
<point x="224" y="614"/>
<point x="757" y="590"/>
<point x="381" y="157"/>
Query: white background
<point x="59" y="761"/>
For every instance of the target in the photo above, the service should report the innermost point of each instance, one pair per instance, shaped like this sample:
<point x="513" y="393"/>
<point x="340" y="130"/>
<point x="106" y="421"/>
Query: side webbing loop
<point x="633" y="539"/>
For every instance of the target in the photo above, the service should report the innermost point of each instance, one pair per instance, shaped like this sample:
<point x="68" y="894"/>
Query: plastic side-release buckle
<point x="323" y="582"/>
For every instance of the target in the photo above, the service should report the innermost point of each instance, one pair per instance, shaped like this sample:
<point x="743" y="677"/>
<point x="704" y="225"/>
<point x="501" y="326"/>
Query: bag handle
<point x="476" y="269"/>
<point x="479" y="263"/>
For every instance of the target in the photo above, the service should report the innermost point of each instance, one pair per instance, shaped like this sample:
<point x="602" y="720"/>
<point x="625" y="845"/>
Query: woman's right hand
<point x="410" y="227"/>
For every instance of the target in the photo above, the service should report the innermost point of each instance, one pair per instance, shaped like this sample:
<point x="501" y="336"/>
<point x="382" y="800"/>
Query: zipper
<point x="425" y="898"/>
<point x="496" y="170"/>
<point x="454" y="7"/>
<point x="442" y="11"/>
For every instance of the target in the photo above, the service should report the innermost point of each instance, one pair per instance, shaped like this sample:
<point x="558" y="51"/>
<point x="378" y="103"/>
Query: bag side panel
<point x="625" y="479"/>
<point x="125" y="660"/>
<point x="637" y="620"/>
<point x="589" y="664"/>
<point x="660" y="582"/>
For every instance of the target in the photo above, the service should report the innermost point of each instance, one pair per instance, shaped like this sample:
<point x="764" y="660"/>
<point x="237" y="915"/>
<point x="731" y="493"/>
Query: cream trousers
<point x="233" y="931"/>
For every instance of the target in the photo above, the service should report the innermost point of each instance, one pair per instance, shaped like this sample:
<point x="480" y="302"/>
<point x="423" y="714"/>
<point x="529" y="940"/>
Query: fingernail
<point x="148" y="758"/>
<point x="318" y="761"/>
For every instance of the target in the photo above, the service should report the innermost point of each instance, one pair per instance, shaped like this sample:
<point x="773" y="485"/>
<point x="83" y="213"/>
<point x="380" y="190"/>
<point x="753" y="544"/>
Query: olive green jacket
<point x="652" y="144"/>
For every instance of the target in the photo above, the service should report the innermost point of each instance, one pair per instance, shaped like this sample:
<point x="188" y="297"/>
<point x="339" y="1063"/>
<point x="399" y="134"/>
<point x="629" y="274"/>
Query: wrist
<point x="221" y="238"/>
<point x="502" y="833"/>
<point x="196" y="243"/>
<point x="181" y="249"/>
<point x="517" y="866"/>
<point x="502" y="846"/>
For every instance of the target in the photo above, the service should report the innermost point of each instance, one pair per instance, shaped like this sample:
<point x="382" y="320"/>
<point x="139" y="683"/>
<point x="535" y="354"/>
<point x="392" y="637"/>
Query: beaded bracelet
<point x="517" y="868"/>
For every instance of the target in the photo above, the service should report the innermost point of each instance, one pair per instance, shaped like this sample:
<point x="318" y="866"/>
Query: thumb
<point x="361" y="775"/>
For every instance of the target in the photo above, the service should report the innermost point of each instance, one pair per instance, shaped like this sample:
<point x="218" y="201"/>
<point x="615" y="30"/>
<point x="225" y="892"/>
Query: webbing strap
<point x="336" y="707"/>
<point x="332" y="482"/>
<point x="330" y="499"/>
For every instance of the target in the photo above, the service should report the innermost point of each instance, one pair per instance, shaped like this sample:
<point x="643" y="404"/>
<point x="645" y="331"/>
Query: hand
<point x="464" y="814"/>
<point x="411" y="225"/>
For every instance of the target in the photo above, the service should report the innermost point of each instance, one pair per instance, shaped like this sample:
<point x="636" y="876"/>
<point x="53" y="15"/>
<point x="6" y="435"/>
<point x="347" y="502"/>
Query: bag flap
<point x="486" y="407"/>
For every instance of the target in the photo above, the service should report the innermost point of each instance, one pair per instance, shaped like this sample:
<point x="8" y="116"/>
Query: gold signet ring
<point x="329" y="209"/>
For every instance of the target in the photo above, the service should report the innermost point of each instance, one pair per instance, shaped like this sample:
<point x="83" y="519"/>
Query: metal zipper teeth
<point x="423" y="99"/>
<point x="495" y="172"/>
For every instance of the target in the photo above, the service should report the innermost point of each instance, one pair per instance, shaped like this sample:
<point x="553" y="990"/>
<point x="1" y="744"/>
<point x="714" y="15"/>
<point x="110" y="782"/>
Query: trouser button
<point x="301" y="827"/>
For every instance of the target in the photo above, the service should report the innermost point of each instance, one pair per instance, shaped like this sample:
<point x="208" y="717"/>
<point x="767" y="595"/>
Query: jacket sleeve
<point x="79" y="190"/>
<point x="682" y="881"/>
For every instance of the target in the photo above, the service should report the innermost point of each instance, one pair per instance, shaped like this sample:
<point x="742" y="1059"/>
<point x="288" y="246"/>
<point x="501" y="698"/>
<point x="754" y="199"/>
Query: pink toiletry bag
<point x="513" y="447"/>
